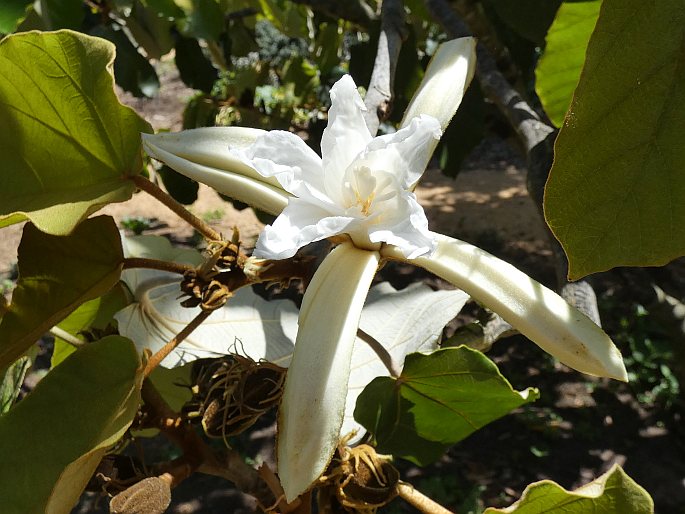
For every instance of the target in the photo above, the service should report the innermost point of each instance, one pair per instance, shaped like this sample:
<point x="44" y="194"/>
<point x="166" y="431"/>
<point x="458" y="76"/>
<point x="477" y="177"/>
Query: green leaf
<point x="150" y="31"/>
<point x="205" y="19"/>
<point x="180" y="187"/>
<point x="195" y="69"/>
<point x="558" y="70"/>
<point x="164" y="8"/>
<point x="11" y="12"/>
<point x="94" y="314"/>
<point x="612" y="493"/>
<point x="67" y="143"/>
<point x="132" y="71"/>
<point x="615" y="193"/>
<point x="528" y="18"/>
<point x="56" y="275"/>
<point x="52" y="441"/>
<point x="11" y="382"/>
<point x="463" y="133"/>
<point x="62" y="14"/>
<point x="438" y="400"/>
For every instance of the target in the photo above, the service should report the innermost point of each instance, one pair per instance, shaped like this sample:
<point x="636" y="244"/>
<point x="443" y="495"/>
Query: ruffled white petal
<point x="407" y="229"/>
<point x="449" y="73"/>
<point x="534" y="310"/>
<point x="405" y="152"/>
<point x="346" y="135"/>
<point x="258" y="194"/>
<point x="298" y="225"/>
<point x="313" y="405"/>
<point x="285" y="156"/>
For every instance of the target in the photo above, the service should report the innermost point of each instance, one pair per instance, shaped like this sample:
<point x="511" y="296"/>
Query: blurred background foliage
<point x="271" y="63"/>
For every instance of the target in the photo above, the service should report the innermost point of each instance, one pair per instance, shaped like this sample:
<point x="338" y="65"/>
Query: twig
<point x="158" y="357"/>
<point x="419" y="500"/>
<point x="379" y="94"/>
<point x="196" y="454"/>
<point x="66" y="336"/>
<point x="140" y="262"/>
<point x="153" y="190"/>
<point x="382" y="353"/>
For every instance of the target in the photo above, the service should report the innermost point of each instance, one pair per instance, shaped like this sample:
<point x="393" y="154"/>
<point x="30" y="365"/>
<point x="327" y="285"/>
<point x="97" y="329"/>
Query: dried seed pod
<point x="149" y="496"/>
<point x="231" y="393"/>
<point x="362" y="480"/>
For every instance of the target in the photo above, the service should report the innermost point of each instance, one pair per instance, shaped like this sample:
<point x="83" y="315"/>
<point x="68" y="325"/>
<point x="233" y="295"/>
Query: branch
<point x="379" y="94"/>
<point x="419" y="500"/>
<point x="522" y="117"/>
<point x="155" y="191"/>
<point x="383" y="354"/>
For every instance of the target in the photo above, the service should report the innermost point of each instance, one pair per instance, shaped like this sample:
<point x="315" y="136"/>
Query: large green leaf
<point x="612" y="493"/>
<point x="559" y="68"/>
<point x="52" y="440"/>
<point x="438" y="400"/>
<point x="56" y="275"/>
<point x="67" y="144"/>
<point x="615" y="193"/>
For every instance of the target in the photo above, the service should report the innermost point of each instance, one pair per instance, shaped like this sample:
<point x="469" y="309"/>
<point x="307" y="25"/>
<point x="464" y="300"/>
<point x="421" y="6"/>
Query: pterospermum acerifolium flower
<point x="361" y="188"/>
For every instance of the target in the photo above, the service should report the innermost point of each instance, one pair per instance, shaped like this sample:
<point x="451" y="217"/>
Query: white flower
<point x="362" y="187"/>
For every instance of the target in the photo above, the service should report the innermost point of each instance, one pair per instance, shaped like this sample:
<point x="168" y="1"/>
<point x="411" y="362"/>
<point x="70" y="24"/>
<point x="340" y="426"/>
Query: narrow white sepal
<point x="534" y="310"/>
<point x="211" y="146"/>
<point x="234" y="182"/>
<point x="449" y="73"/>
<point x="313" y="405"/>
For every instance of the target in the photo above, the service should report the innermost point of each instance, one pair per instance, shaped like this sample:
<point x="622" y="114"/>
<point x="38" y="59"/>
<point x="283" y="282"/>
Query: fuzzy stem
<point x="158" y="357"/>
<point x="382" y="353"/>
<point x="154" y="190"/>
<point x="172" y="267"/>
<point x="419" y="500"/>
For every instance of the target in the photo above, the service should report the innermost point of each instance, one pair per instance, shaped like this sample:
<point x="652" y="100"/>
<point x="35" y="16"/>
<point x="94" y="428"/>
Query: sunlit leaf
<point x="56" y="275"/>
<point x="67" y="143"/>
<point x="438" y="400"/>
<point x="615" y="193"/>
<point x="405" y="321"/>
<point x="611" y="493"/>
<point x="52" y="440"/>
<point x="558" y="70"/>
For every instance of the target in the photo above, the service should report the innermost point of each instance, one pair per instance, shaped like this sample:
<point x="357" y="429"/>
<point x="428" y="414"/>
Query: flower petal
<point x="448" y="75"/>
<point x="285" y="156"/>
<point x="234" y="181"/>
<point x="346" y="135"/>
<point x="534" y="310"/>
<point x="405" y="152"/>
<point x="406" y="227"/>
<point x="313" y="404"/>
<point x="210" y="146"/>
<point x="299" y="224"/>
